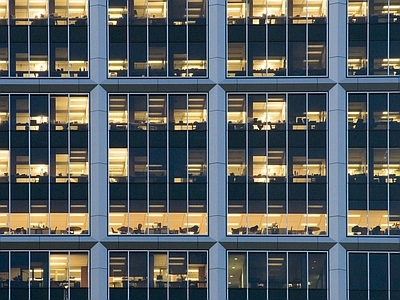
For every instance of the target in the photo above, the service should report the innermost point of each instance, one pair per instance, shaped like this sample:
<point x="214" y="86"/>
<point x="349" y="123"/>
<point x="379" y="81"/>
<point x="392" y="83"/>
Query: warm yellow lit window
<point x="39" y="170"/>
<point x="61" y="9"/>
<point x="363" y="222"/>
<point x="276" y="163"/>
<point x="316" y="167"/>
<point x="78" y="109"/>
<point x="156" y="9"/>
<point x="118" y="162"/>
<point x="357" y="8"/>
<point x="118" y="111"/>
<point x="259" y="168"/>
<point x="157" y="110"/>
<point x="276" y="8"/>
<point x="38" y="9"/>
<point x="276" y="111"/>
<point x="236" y="109"/>
<point x="77" y="8"/>
<point x="61" y="165"/>
<point x="4" y="162"/>
<point x="78" y="165"/>
<point x="3" y="9"/>
<point x="236" y="9"/>
<point x="21" y="10"/>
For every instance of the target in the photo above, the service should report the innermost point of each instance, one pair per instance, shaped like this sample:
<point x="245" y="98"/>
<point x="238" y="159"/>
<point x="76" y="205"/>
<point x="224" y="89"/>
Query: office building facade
<point x="194" y="149"/>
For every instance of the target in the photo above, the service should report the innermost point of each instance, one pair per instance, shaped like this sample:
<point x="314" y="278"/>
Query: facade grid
<point x="199" y="149"/>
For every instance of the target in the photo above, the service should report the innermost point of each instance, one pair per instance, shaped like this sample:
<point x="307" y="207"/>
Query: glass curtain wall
<point x="158" y="164"/>
<point x="373" y="164"/>
<point x="157" y="38"/>
<point x="373" y="37"/>
<point x="277" y="275"/>
<point x="373" y="275"/>
<point x="43" y="38"/>
<point x="44" y="164"/>
<point x="277" y="164"/>
<point x="277" y="37"/>
<point x="177" y="275"/>
<point x="44" y="275"/>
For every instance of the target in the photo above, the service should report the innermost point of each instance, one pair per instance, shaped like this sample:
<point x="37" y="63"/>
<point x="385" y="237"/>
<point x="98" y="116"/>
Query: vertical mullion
<point x="168" y="275"/>
<point x="167" y="97"/>
<point x="9" y="165"/>
<point x="147" y="48"/>
<point x="307" y="273"/>
<point x="29" y="163"/>
<point x="287" y="274"/>
<point x="68" y="274"/>
<point x="69" y="163"/>
<point x="307" y="169"/>
<point x="266" y="163"/>
<point x="286" y="40"/>
<point x="128" y="268"/>
<point x="29" y="43"/>
<point x="187" y="164"/>
<point x="388" y="273"/>
<point x="68" y="46"/>
<point x="267" y="272"/>
<point x="167" y="35"/>
<point x="388" y="160"/>
<point x="368" y="277"/>
<point x="368" y="162"/>
<point x="266" y="43"/>
<point x="388" y="40"/>
<point x="29" y="275"/>
<point x="246" y="24"/>
<point x="127" y="164"/>
<point x="9" y="47"/>
<point x="108" y="163"/>
<point x="207" y="166"/>
<point x="187" y="39"/>
<point x="247" y="151"/>
<point x="327" y="163"/>
<point x="306" y="66"/>
<point x="247" y="273"/>
<point x="187" y="275"/>
<point x="49" y="162"/>
<point x="148" y="163"/>
<point x="48" y="45"/>
<point x="287" y="161"/>
<point x="368" y="8"/>
<point x="127" y="45"/>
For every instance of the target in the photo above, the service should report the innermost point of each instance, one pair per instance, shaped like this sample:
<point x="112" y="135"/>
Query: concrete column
<point x="217" y="40"/>
<point x="337" y="39"/>
<point x="98" y="272"/>
<point x="217" y="164"/>
<point x="337" y="272"/>
<point x="337" y="142"/>
<point x="337" y="194"/>
<point x="98" y="41"/>
<point x="217" y="277"/>
<point x="98" y="158"/>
